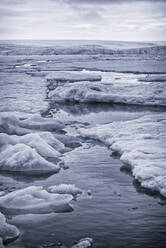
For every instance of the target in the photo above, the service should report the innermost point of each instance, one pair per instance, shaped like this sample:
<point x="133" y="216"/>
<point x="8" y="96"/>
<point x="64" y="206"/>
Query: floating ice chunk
<point x="85" y="92"/>
<point x="21" y="157"/>
<point x="40" y="123"/>
<point x="42" y="142"/>
<point x="12" y="123"/>
<point x="84" y="243"/>
<point x="141" y="143"/>
<point x="34" y="200"/>
<point x="78" y="92"/>
<point x="65" y="189"/>
<point x="7" y="232"/>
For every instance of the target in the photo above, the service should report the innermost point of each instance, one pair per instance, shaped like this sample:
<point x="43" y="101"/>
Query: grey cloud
<point x="109" y="1"/>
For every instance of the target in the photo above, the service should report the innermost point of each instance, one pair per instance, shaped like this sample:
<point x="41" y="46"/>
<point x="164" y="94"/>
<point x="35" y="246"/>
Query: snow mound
<point x="84" y="243"/>
<point x="65" y="189"/>
<point x="7" y="232"/>
<point x="22" y="158"/>
<point x="141" y="143"/>
<point x="34" y="200"/>
<point x="86" y="92"/>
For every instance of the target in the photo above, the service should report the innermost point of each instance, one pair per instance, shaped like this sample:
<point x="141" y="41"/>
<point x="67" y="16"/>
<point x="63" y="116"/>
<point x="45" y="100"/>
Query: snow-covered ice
<point x="36" y="200"/>
<point x="25" y="148"/>
<point x="65" y="189"/>
<point x="22" y="158"/>
<point x="7" y="232"/>
<point x="40" y="123"/>
<point x="141" y="143"/>
<point x="12" y="123"/>
<point x="84" y="243"/>
<point x="86" y="92"/>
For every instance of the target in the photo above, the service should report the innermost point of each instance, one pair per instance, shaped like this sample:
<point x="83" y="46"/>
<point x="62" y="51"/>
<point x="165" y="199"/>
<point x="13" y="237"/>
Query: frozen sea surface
<point x="111" y="208"/>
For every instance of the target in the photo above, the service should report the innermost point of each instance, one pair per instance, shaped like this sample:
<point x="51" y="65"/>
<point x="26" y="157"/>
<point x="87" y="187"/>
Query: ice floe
<point x="7" y="232"/>
<point x="84" y="243"/>
<point x="24" y="147"/>
<point x="40" y="123"/>
<point x="35" y="200"/>
<point x="22" y="158"/>
<point x="86" y="92"/>
<point x="141" y="143"/>
<point x="65" y="189"/>
<point x="15" y="124"/>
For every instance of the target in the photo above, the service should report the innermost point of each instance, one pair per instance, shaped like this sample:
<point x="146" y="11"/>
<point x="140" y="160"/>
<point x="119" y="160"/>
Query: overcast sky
<point x="133" y="20"/>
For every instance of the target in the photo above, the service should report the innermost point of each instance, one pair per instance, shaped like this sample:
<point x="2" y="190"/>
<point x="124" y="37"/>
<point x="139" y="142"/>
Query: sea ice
<point x="86" y="92"/>
<point x="27" y="151"/>
<point x="35" y="200"/>
<point x="39" y="144"/>
<point x="65" y="189"/>
<point x="141" y="143"/>
<point x="22" y="158"/>
<point x="15" y="124"/>
<point x="84" y="243"/>
<point x="40" y="123"/>
<point x="7" y="232"/>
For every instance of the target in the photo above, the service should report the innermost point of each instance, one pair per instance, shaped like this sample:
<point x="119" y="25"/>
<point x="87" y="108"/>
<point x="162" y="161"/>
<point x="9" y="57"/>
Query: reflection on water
<point x="98" y="113"/>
